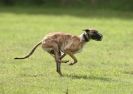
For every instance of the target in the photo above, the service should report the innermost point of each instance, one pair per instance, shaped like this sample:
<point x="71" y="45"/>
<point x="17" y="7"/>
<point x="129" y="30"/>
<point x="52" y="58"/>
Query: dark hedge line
<point x="104" y="3"/>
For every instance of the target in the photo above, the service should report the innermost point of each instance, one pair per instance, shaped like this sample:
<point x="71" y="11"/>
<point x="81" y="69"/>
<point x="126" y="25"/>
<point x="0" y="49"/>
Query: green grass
<point x="103" y="67"/>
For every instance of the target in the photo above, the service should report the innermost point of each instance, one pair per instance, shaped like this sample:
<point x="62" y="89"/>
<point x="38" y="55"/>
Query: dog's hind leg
<point x="58" y="68"/>
<point x="53" y="49"/>
<point x="62" y="56"/>
<point x="57" y="54"/>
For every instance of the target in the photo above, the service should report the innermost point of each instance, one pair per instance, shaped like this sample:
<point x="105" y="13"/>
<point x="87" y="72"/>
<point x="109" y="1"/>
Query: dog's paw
<point x="71" y="64"/>
<point x="65" y="61"/>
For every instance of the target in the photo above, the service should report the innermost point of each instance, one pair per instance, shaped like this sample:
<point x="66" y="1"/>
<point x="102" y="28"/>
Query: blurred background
<point x="115" y="4"/>
<point x="104" y="67"/>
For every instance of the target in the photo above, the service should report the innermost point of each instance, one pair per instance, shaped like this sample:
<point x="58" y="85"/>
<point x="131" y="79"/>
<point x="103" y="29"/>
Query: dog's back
<point x="57" y="36"/>
<point x="64" y="41"/>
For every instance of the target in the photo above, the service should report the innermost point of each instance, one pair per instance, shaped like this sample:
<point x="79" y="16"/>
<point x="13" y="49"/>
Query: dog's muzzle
<point x="99" y="37"/>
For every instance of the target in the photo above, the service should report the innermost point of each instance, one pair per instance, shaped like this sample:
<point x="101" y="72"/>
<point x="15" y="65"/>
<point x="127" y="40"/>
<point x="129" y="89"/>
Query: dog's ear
<point x="86" y="30"/>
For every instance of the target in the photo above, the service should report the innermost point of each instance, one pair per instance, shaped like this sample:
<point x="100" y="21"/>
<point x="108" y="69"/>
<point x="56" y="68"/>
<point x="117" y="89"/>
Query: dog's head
<point x="93" y="34"/>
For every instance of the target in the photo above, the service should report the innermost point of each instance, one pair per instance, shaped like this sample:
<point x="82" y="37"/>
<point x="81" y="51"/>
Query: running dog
<point x="60" y="44"/>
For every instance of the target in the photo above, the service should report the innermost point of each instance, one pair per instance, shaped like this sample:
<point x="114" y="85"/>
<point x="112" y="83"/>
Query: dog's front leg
<point x="73" y="57"/>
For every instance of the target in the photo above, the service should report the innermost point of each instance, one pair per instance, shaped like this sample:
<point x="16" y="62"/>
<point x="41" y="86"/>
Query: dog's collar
<point x="86" y="38"/>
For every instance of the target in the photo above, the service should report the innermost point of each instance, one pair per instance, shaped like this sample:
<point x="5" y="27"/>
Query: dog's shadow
<point x="86" y="77"/>
<point x="75" y="76"/>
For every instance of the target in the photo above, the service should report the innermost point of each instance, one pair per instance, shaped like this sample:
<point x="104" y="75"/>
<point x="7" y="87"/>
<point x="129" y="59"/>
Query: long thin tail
<point x="31" y="52"/>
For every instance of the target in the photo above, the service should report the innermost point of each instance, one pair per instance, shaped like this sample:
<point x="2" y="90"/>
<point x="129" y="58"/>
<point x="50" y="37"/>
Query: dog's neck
<point x="84" y="38"/>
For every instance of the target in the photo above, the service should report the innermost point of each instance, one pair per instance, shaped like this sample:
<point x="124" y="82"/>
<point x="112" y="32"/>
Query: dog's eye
<point x="95" y="32"/>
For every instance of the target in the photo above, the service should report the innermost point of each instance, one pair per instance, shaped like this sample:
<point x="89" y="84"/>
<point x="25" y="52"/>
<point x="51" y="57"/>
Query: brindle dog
<point x="60" y="44"/>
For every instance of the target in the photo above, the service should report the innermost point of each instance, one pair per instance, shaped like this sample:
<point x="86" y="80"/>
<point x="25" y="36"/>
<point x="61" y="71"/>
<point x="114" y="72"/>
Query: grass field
<point x="103" y="67"/>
